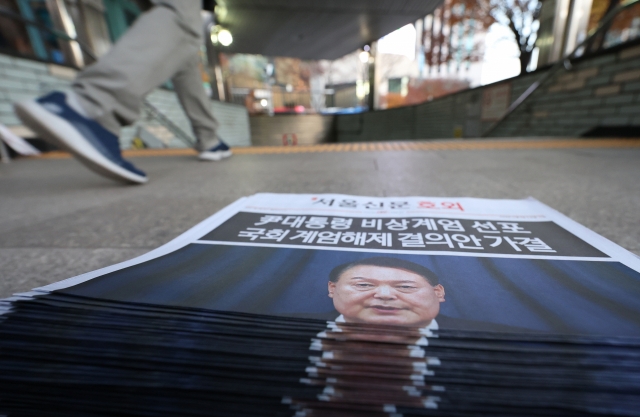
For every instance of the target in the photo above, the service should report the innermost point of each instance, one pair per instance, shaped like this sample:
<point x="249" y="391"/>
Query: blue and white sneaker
<point x="54" y="120"/>
<point x="216" y="153"/>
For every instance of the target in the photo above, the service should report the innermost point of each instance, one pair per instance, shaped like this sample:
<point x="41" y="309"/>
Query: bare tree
<point x="521" y="17"/>
<point x="454" y="40"/>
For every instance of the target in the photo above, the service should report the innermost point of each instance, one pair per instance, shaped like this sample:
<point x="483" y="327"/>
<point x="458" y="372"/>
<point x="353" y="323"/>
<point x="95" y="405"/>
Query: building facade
<point x="44" y="43"/>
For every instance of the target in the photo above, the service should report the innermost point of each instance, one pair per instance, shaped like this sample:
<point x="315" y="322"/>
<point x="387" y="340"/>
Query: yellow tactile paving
<point x="393" y="146"/>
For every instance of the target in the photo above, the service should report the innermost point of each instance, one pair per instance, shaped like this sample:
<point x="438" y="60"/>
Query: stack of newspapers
<point x="336" y="305"/>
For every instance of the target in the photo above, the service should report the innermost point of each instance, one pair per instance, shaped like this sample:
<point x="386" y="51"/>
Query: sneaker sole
<point x="214" y="156"/>
<point x="62" y="134"/>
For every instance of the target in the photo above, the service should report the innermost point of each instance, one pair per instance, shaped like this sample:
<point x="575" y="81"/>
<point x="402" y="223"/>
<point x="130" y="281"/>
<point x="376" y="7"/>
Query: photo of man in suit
<point x="381" y="291"/>
<point x="391" y="291"/>
<point x="387" y="291"/>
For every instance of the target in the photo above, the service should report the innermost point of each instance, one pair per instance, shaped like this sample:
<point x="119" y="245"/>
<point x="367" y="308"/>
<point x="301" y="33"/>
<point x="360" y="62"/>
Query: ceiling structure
<point x="314" y="29"/>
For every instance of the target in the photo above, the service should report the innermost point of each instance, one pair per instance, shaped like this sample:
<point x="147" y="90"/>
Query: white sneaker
<point x="57" y="122"/>
<point x="216" y="153"/>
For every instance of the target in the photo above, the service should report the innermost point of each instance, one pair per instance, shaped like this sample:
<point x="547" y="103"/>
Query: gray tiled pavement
<point x="58" y="220"/>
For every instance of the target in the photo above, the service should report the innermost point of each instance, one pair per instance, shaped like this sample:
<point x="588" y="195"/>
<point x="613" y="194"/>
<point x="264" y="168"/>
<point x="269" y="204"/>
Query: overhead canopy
<point x="314" y="29"/>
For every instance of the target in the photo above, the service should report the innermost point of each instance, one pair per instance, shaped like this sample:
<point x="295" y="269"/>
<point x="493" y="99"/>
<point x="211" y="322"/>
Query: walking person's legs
<point x="155" y="48"/>
<point x="188" y="86"/>
<point x="109" y="94"/>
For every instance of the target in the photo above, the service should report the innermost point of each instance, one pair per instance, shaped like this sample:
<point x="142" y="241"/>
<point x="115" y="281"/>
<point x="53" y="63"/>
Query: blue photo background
<point x="541" y="295"/>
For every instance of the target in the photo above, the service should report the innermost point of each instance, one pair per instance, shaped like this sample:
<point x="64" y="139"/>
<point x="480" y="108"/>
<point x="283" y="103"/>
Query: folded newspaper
<point x="332" y="305"/>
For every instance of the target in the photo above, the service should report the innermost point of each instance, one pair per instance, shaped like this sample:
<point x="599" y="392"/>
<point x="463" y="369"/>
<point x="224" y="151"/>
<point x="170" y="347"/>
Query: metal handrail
<point x="565" y="63"/>
<point x="152" y="110"/>
<point x="166" y="122"/>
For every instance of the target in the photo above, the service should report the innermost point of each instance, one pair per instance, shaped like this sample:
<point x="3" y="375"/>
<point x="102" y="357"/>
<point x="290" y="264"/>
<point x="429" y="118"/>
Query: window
<point x="13" y="33"/>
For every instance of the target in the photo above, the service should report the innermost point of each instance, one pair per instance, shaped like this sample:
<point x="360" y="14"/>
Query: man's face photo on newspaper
<point x="386" y="291"/>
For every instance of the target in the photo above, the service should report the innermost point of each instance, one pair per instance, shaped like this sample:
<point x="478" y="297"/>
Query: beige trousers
<point x="162" y="44"/>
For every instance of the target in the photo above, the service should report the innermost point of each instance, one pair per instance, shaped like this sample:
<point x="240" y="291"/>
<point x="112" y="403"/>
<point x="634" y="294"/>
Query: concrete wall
<point x="601" y="90"/>
<point x="291" y="129"/>
<point x="22" y="79"/>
